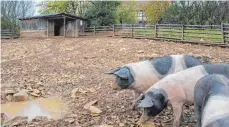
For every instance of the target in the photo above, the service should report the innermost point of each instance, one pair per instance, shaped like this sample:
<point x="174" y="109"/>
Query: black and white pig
<point x="176" y="89"/>
<point x="142" y="75"/>
<point x="211" y="101"/>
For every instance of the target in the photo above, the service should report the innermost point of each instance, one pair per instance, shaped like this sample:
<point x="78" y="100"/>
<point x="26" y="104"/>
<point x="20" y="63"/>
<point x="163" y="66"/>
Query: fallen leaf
<point x="82" y="91"/>
<point x="95" y="110"/>
<point x="105" y="125"/>
<point x="87" y="106"/>
<point x="121" y="125"/>
<point x="9" y="97"/>
<point x="10" y="91"/>
<point x="34" y="94"/>
<point x="147" y="124"/>
<point x="3" y="118"/>
<point x="36" y="91"/>
<point x="140" y="51"/>
<point x="73" y="95"/>
<point x="18" y="120"/>
<point x="92" y="90"/>
<point x="29" y="88"/>
<point x="40" y="118"/>
<point x="70" y="120"/>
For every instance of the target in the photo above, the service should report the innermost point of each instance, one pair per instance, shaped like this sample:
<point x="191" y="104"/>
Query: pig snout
<point x="115" y="87"/>
<point x="145" y="117"/>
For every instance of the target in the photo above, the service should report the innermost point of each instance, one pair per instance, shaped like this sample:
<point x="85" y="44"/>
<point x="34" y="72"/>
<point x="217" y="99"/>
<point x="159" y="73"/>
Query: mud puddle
<point x="49" y="107"/>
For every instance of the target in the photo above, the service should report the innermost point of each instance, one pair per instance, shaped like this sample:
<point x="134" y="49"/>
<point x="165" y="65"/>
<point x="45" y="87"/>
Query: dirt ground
<point x="58" y="66"/>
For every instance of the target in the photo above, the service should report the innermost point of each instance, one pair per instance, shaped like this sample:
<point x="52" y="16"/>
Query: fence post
<point x="94" y="30"/>
<point x="182" y="31"/>
<point x="155" y="30"/>
<point x="222" y="30"/>
<point x="132" y="31"/>
<point x="114" y="30"/>
<point x="13" y="33"/>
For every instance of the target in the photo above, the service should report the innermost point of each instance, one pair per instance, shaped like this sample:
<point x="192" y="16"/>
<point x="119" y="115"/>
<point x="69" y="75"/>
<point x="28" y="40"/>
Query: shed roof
<point x="54" y="15"/>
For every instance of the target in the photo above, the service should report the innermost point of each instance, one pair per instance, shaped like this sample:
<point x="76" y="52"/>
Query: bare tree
<point x="12" y="10"/>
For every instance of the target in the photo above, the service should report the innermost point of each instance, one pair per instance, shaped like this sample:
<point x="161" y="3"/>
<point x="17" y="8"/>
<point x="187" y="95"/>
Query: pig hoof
<point x="133" y="107"/>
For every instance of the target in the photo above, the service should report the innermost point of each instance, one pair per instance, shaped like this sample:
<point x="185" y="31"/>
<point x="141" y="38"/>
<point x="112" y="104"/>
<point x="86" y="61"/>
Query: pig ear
<point x="113" y="71"/>
<point x="123" y="73"/>
<point x="146" y="103"/>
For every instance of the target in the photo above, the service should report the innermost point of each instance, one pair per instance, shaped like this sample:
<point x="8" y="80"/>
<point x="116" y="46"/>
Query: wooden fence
<point x="98" y="30"/>
<point x="204" y="34"/>
<point x="7" y="34"/>
<point x="225" y="33"/>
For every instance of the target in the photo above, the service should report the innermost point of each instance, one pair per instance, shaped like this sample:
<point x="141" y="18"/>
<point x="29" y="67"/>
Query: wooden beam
<point x="64" y="26"/>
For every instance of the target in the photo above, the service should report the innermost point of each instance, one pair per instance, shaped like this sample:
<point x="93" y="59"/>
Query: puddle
<point x="50" y="107"/>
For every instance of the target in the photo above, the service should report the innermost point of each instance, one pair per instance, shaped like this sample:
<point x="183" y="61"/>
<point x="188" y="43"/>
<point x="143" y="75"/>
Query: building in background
<point x="48" y="25"/>
<point x="141" y="12"/>
<point x="141" y="17"/>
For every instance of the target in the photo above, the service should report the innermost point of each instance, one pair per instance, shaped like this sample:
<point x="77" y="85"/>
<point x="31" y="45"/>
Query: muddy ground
<point x="59" y="66"/>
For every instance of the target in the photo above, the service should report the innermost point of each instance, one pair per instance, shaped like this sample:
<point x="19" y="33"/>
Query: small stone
<point x="87" y="106"/>
<point x="9" y="97"/>
<point x="21" y="96"/>
<point x="95" y="110"/>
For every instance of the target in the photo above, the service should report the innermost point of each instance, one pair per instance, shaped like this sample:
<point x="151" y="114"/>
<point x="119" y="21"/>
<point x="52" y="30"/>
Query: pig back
<point x="216" y="109"/>
<point x="144" y="75"/>
<point x="215" y="100"/>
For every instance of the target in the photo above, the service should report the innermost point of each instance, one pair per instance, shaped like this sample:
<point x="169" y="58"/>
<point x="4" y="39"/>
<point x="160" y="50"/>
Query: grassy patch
<point x="211" y="35"/>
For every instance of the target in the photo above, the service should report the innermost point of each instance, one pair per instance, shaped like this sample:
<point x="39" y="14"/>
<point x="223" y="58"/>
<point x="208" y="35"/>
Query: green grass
<point x="196" y="35"/>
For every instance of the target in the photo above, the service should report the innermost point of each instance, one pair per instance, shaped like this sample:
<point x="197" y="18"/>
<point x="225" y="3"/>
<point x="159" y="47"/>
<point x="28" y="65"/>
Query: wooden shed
<point x="48" y="25"/>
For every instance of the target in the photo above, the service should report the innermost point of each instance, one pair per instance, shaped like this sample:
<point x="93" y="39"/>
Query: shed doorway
<point x="57" y="27"/>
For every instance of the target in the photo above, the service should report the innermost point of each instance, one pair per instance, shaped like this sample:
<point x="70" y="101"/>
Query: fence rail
<point x="217" y="34"/>
<point x="9" y="33"/>
<point x="98" y="30"/>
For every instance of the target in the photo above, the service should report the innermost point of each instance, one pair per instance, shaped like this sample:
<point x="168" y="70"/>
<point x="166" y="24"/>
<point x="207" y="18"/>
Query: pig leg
<point x="198" y="114"/>
<point x="177" y="111"/>
<point x="182" y="118"/>
<point x="136" y="99"/>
